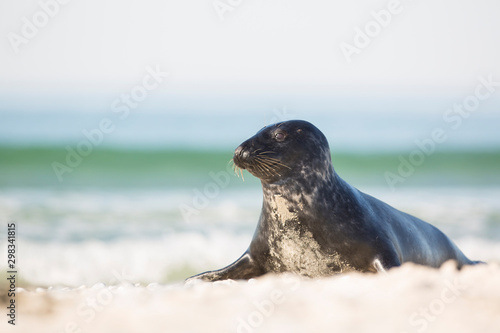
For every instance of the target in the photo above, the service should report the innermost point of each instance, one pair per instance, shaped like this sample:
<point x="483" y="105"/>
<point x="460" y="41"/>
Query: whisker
<point x="265" y="169"/>
<point x="278" y="163"/>
<point x="274" y="161"/>
<point x="263" y="161"/>
<point x="271" y="158"/>
<point x="237" y="171"/>
<point x="268" y="164"/>
<point x="234" y="167"/>
<point x="259" y="167"/>
<point x="271" y="168"/>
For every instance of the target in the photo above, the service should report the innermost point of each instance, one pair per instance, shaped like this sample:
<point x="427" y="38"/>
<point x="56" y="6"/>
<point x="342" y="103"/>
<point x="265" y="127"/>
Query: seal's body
<point x="315" y="224"/>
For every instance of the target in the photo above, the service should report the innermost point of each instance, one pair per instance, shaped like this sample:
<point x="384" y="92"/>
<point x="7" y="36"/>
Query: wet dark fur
<point x="315" y="224"/>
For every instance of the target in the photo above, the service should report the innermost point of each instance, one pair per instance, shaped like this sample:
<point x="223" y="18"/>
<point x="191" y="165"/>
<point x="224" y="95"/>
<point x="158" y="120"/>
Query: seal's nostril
<point x="238" y="151"/>
<point x="241" y="153"/>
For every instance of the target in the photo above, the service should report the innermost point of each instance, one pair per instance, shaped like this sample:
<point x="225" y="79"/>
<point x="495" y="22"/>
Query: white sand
<point x="407" y="299"/>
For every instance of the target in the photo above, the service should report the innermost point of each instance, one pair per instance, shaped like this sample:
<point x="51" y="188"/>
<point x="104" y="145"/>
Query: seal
<point x="315" y="224"/>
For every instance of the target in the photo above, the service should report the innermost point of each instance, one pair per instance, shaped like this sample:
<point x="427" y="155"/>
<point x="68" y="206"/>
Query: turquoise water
<point x="167" y="169"/>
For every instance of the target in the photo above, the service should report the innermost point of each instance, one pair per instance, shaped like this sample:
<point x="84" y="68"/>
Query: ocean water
<point x="156" y="201"/>
<point x="159" y="216"/>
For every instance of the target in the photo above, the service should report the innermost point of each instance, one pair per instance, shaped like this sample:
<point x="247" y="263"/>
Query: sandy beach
<point x="407" y="299"/>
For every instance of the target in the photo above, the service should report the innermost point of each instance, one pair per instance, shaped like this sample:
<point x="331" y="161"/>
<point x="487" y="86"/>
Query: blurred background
<point x="118" y="120"/>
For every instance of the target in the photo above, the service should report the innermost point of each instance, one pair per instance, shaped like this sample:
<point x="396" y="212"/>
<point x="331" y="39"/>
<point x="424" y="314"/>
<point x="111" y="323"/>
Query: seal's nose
<point x="240" y="154"/>
<point x="238" y="151"/>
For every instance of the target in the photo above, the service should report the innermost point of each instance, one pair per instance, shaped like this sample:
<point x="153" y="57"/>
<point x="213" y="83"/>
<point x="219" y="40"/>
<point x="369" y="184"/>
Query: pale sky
<point x="264" y="55"/>
<point x="260" y="45"/>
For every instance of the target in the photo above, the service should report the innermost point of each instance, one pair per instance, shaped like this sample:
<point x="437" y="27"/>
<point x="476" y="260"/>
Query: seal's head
<point x="290" y="149"/>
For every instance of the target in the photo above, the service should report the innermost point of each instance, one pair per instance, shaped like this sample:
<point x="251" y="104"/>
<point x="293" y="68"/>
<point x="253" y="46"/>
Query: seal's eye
<point x="280" y="136"/>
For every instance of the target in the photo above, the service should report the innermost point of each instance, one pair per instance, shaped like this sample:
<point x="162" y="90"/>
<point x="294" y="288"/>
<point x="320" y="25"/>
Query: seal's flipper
<point x="242" y="269"/>
<point x="378" y="266"/>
